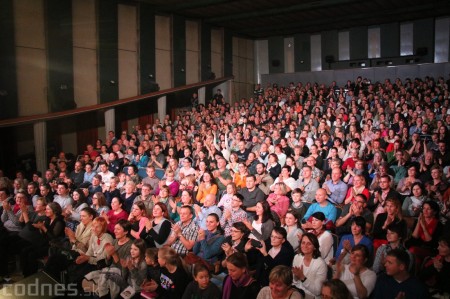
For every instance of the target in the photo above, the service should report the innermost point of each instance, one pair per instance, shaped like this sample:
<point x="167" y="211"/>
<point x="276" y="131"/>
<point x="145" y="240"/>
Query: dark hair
<point x="280" y="230"/>
<point x="63" y="184"/>
<point x="434" y="206"/>
<point x="217" y="218"/>
<point x="424" y="191"/>
<point x="90" y="211"/>
<point x="363" y="196"/>
<point x="365" y="251"/>
<point x="397" y="227"/>
<point x="445" y="239"/>
<point x="125" y="224"/>
<point x="401" y="256"/>
<point x="82" y="198"/>
<point x="338" y="289"/>
<point x="199" y="267"/>
<point x="242" y="227"/>
<point x="361" y="222"/>
<point x="238" y="260"/>
<point x="56" y="208"/>
<point x="267" y="214"/>
<point x="163" y="208"/>
<point x="313" y="239"/>
<point x="140" y="244"/>
<point x="240" y="196"/>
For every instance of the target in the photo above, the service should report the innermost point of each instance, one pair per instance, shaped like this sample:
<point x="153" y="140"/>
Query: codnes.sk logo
<point x="39" y="289"/>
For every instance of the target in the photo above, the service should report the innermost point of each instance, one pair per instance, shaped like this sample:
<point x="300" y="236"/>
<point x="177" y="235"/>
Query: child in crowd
<point x="201" y="287"/>
<point x="153" y="272"/>
<point x="297" y="204"/>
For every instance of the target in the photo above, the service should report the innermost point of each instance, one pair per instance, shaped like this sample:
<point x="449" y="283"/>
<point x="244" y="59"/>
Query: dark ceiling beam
<point x="280" y="10"/>
<point x="400" y="14"/>
<point x="190" y="5"/>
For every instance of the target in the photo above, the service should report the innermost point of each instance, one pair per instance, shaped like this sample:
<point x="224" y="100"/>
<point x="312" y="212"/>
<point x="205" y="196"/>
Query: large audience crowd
<point x="299" y="191"/>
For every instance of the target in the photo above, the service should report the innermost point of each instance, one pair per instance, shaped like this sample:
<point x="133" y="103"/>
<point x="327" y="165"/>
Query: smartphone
<point x="255" y="243"/>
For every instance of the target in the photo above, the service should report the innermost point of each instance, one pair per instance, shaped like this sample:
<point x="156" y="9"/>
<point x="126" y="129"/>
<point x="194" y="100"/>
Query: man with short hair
<point x="77" y="174"/>
<point x="307" y="185"/>
<point x="62" y="197"/>
<point x="252" y="195"/>
<point x="222" y="175"/>
<point x="151" y="179"/>
<point x="146" y="198"/>
<point x="242" y="151"/>
<point x="263" y="178"/>
<point x="233" y="215"/>
<point x="184" y="232"/>
<point x="397" y="282"/>
<point x="336" y="189"/>
<point x="105" y="173"/>
<point x="33" y="195"/>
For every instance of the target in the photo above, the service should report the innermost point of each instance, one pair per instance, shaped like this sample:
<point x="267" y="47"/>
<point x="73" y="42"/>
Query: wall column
<point x="110" y="120"/>
<point x="40" y="145"/>
<point x="162" y="101"/>
<point x="201" y="95"/>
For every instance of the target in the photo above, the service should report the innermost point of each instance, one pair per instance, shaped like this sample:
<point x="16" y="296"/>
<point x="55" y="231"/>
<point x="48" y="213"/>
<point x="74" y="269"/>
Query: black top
<point x="194" y="292"/>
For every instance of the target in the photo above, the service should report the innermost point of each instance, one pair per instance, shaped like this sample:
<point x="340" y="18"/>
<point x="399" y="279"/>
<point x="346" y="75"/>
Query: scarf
<point x="244" y="281"/>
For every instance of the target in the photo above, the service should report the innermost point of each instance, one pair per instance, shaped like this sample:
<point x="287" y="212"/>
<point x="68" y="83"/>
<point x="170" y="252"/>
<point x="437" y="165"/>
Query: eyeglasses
<point x="276" y="237"/>
<point x="235" y="231"/>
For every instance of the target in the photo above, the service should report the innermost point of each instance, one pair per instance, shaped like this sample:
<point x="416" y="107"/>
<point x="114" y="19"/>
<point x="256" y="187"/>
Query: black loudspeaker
<point x="422" y="51"/>
<point x="276" y="63"/>
<point x="329" y="59"/>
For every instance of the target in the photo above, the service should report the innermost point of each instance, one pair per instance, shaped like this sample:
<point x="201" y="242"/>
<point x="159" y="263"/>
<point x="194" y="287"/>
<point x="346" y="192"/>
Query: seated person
<point x="397" y="282"/>
<point x="281" y="277"/>
<point x="396" y="239"/>
<point x="308" y="267"/>
<point x="357" y="236"/>
<point x="273" y="252"/>
<point x="436" y="272"/>
<point x="321" y="205"/>
<point x="184" y="232"/>
<point x="233" y="215"/>
<point x="356" y="208"/>
<point x="209" y="241"/>
<point x="359" y="279"/>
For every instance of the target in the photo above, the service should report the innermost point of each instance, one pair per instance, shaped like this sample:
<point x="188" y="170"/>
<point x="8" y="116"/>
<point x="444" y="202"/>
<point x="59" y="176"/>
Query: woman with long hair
<point x="72" y="212"/>
<point x="157" y="229"/>
<point x="239" y="284"/>
<point x="293" y="228"/>
<point x="308" y="267"/>
<point x="209" y="241"/>
<point x="53" y="230"/>
<point x="278" y="201"/>
<point x="263" y="224"/>
<point x="412" y="204"/>
<point x="138" y="219"/>
<point x="392" y="215"/>
<point x="207" y="186"/>
<point x="99" y="203"/>
<point x="426" y="233"/>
